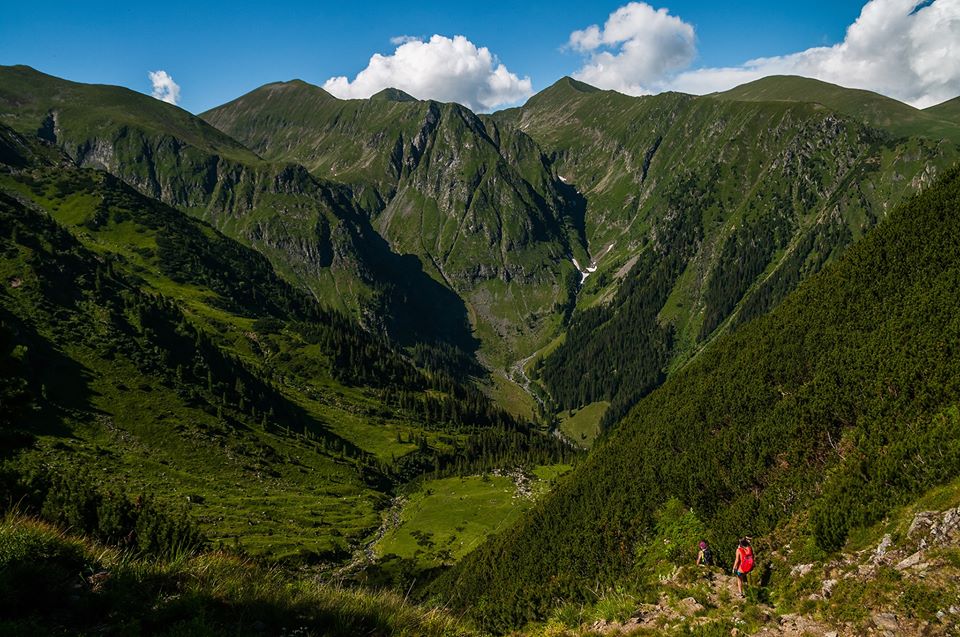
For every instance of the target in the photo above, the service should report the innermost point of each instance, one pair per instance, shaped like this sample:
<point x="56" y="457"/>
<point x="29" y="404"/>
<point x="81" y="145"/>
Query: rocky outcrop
<point x="714" y="610"/>
<point x="931" y="529"/>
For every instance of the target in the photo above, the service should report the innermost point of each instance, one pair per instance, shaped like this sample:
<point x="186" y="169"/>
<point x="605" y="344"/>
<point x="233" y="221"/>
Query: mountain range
<point x="293" y="311"/>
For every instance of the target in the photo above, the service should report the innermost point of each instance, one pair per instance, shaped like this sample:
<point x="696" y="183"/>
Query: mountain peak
<point x="568" y="83"/>
<point x="566" y="88"/>
<point x="291" y="93"/>
<point x="391" y="94"/>
<point x="295" y="85"/>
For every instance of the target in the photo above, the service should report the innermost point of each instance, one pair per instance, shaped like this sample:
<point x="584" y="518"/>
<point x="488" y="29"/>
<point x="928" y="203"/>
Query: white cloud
<point x="907" y="49"/>
<point x="397" y="40"/>
<point x="635" y="49"/>
<point x="164" y="88"/>
<point x="441" y="68"/>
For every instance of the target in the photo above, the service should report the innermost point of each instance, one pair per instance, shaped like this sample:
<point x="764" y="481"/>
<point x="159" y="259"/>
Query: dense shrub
<point x="73" y="500"/>
<point x="843" y="399"/>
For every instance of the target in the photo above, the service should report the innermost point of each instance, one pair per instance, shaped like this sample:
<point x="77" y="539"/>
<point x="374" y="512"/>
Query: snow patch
<point x="584" y="272"/>
<point x="590" y="269"/>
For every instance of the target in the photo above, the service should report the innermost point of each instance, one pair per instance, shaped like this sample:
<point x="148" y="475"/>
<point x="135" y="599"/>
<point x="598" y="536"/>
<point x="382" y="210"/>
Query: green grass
<point x="306" y="483"/>
<point x="266" y="483"/>
<point x="512" y="397"/>
<point x="549" y="474"/>
<point x="294" y="502"/>
<point x="878" y="110"/>
<point x="57" y="584"/>
<point x="442" y="520"/>
<point x="949" y="110"/>
<point x="275" y="493"/>
<point x="583" y="425"/>
<point x="93" y="110"/>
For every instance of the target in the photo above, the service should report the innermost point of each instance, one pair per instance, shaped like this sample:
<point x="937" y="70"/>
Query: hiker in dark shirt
<point x="705" y="556"/>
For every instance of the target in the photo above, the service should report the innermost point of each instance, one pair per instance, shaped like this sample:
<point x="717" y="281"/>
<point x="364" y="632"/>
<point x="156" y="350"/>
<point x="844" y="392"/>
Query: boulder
<point x="921" y="524"/>
<point x="910" y="562"/>
<point x="886" y="622"/>
<point x="688" y="606"/>
<point x="787" y="618"/>
<point x="882" y="548"/>
<point x="827" y="588"/>
<point x="801" y="569"/>
<point x="946" y="530"/>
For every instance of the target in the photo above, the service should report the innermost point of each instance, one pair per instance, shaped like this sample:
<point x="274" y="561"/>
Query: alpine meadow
<point x="670" y="346"/>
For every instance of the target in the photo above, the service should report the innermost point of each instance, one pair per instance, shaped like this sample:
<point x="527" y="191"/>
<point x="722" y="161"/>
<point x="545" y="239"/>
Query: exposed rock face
<point x="478" y="203"/>
<point x="936" y="528"/>
<point x="881" y="551"/>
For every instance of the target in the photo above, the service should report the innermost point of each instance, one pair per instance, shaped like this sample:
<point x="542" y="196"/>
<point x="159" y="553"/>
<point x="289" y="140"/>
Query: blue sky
<point x="216" y="51"/>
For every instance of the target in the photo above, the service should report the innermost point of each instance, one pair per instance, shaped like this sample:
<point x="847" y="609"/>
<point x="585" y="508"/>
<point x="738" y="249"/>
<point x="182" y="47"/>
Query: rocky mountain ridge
<point x="476" y="202"/>
<point x="689" y="216"/>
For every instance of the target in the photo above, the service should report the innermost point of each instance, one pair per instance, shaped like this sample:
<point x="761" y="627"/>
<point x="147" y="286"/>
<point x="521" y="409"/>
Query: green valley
<point x="202" y="377"/>
<point x="304" y="365"/>
<point x="476" y="202"/>
<point x="702" y="213"/>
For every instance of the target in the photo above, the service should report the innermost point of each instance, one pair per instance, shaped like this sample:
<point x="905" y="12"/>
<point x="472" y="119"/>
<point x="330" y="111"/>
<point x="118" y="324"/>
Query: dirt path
<point x="671" y="613"/>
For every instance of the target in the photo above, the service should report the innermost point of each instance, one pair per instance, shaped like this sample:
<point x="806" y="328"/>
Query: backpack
<point x="707" y="556"/>
<point x="746" y="559"/>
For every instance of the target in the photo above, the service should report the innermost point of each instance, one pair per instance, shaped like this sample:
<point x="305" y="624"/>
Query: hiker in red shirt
<point x="743" y="563"/>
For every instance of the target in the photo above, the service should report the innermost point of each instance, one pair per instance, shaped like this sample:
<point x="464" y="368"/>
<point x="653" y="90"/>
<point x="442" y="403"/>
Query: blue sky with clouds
<point x="212" y="52"/>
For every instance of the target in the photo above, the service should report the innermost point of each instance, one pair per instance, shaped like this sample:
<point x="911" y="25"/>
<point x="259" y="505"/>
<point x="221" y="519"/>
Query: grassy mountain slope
<point x="309" y="229"/>
<point x="838" y="405"/>
<point x="477" y="203"/>
<point x="80" y="113"/>
<point x="701" y="213"/>
<point x="199" y="372"/>
<point x="55" y="583"/>
<point x="949" y="110"/>
<point x="168" y="398"/>
<point x="346" y="140"/>
<point x="878" y="110"/>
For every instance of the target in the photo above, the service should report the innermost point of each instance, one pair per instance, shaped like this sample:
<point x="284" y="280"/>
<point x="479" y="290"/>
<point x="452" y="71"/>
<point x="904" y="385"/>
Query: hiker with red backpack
<point x="743" y="563"/>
